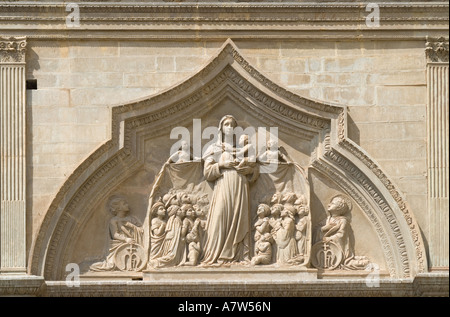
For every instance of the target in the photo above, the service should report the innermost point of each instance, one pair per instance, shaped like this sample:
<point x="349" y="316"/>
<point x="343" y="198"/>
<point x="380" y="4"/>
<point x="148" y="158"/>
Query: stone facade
<point x="362" y="108"/>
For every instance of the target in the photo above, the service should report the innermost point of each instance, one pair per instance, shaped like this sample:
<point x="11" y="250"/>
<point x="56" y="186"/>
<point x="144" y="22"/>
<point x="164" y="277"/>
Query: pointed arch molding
<point x="229" y="75"/>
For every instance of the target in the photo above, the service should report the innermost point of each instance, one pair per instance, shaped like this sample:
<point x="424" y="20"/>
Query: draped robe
<point x="228" y="222"/>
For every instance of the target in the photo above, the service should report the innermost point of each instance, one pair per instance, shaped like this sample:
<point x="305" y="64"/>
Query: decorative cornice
<point x="164" y="21"/>
<point x="437" y="50"/>
<point x="12" y="49"/>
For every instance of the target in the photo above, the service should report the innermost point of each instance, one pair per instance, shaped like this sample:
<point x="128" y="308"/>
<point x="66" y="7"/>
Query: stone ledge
<point x="233" y="275"/>
<point x="318" y="288"/>
<point x="21" y="285"/>
<point x="432" y="284"/>
<point x="426" y="284"/>
<point x="241" y="20"/>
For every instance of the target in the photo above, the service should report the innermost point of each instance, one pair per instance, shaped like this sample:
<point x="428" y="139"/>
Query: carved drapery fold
<point x="13" y="162"/>
<point x="437" y="52"/>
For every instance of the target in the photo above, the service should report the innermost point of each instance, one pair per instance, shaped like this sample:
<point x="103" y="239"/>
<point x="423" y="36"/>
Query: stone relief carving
<point x="272" y="154"/>
<point x="51" y="251"/>
<point x="283" y="225"/>
<point x="204" y="213"/>
<point x="437" y="50"/>
<point x="182" y="155"/>
<point x="177" y="241"/>
<point x="126" y="251"/>
<point x="218" y="227"/>
<point x="335" y="246"/>
<point x="228" y="219"/>
<point x="12" y="49"/>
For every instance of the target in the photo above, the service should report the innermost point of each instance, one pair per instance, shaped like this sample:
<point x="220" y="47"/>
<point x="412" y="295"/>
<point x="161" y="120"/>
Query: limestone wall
<point x="372" y="125"/>
<point x="383" y="83"/>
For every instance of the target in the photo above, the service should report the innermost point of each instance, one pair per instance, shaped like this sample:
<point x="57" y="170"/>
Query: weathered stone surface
<point x="361" y="109"/>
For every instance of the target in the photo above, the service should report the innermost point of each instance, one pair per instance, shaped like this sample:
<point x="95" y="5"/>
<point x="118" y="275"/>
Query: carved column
<point x="438" y="144"/>
<point x="13" y="163"/>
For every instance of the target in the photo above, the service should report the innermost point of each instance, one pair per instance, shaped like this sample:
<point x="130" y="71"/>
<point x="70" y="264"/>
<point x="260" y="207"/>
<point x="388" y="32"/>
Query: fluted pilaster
<point x="438" y="144"/>
<point x="13" y="159"/>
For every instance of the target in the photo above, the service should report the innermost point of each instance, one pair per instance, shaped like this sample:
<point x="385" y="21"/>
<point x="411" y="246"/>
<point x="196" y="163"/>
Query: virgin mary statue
<point x="228" y="224"/>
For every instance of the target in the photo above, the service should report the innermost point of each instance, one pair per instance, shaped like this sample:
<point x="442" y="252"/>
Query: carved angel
<point x="273" y="154"/>
<point x="182" y="155"/>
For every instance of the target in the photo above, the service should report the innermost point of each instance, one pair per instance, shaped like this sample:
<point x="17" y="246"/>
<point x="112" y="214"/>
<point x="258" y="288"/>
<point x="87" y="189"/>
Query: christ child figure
<point x="246" y="154"/>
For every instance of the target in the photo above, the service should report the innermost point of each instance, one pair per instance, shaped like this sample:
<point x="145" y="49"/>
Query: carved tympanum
<point x="219" y="222"/>
<point x="229" y="209"/>
<point x="310" y="130"/>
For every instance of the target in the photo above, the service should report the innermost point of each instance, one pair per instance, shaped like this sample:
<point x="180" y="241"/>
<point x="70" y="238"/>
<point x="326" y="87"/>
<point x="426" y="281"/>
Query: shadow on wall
<point x="29" y="168"/>
<point x="32" y="63"/>
<point x="353" y="132"/>
<point x="427" y="248"/>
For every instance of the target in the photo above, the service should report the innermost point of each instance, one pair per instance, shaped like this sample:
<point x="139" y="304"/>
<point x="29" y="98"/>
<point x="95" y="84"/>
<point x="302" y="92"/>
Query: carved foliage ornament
<point x="12" y="50"/>
<point x="437" y="50"/>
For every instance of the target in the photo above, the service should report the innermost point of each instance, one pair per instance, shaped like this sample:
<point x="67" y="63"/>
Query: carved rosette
<point x="437" y="50"/>
<point x="12" y="50"/>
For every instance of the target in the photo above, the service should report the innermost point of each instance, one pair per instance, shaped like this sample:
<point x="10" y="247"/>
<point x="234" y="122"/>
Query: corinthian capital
<point x="437" y="50"/>
<point x="12" y="49"/>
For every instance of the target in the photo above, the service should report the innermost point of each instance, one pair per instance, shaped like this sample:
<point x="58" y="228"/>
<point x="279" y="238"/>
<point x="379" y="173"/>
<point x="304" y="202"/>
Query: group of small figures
<point x="281" y="230"/>
<point x="177" y="227"/>
<point x="179" y="221"/>
<point x="281" y="234"/>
